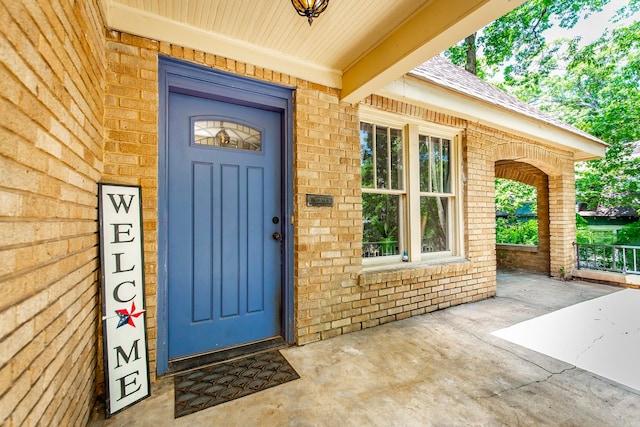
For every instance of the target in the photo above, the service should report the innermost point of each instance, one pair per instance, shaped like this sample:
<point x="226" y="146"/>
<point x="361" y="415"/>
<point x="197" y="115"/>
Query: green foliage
<point x="609" y="74"/>
<point x="629" y="235"/>
<point x="581" y="222"/>
<point x="516" y="39"/>
<point x="513" y="195"/>
<point x="584" y="234"/>
<point x="595" y="87"/>
<point x="380" y="213"/>
<point x="517" y="233"/>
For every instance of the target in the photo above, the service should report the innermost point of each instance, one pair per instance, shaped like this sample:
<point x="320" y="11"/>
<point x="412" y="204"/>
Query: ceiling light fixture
<point x="310" y="8"/>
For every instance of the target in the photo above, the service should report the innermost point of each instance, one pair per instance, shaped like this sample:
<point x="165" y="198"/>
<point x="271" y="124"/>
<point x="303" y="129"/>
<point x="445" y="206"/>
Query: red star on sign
<point x="126" y="317"/>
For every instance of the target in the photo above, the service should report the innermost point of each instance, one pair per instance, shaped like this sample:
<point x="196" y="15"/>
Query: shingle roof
<point x="611" y="212"/>
<point x="442" y="72"/>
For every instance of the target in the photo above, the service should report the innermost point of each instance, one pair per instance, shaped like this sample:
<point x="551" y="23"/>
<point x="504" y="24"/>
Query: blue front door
<point x="223" y="225"/>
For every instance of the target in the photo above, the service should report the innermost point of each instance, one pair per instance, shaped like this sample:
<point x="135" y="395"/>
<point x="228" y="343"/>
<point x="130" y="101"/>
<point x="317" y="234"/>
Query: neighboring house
<point x="523" y="214"/>
<point x="608" y="220"/>
<point x="232" y="122"/>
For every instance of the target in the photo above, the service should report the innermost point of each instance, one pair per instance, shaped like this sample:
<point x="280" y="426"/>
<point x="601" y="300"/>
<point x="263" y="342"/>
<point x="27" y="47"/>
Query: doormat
<point x="213" y="385"/>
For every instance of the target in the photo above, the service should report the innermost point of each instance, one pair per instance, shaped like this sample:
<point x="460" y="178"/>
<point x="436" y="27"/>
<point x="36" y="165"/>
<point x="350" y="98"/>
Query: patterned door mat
<point x="213" y="385"/>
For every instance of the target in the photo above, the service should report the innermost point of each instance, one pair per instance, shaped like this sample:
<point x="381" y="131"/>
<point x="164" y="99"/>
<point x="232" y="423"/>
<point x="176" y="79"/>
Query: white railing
<point x="376" y="249"/>
<point x="616" y="258"/>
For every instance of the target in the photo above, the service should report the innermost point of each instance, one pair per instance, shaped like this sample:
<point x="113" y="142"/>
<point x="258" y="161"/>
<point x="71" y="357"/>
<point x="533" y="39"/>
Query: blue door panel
<point x="255" y="240"/>
<point x="224" y="267"/>
<point x="231" y="240"/>
<point x="203" y="249"/>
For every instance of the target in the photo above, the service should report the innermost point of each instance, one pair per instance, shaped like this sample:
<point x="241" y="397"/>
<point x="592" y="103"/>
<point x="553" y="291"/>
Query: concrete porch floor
<point x="439" y="369"/>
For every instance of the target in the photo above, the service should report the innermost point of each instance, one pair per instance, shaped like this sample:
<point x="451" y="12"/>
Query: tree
<point x="512" y="196"/>
<point x="593" y="87"/>
<point x="629" y="235"/>
<point x="519" y="233"/>
<point x="517" y="38"/>
<point x="597" y="89"/>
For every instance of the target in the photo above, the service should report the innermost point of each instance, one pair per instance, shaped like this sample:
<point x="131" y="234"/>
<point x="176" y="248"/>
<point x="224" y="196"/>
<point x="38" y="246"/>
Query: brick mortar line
<point x="32" y="243"/>
<point x="66" y="202"/>
<point x="52" y="261"/>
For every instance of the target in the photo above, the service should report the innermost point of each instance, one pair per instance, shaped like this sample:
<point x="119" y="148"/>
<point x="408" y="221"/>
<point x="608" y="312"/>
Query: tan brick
<point x="331" y="333"/>
<point x="342" y="322"/>
<point x="68" y="158"/>
<point x="332" y="294"/>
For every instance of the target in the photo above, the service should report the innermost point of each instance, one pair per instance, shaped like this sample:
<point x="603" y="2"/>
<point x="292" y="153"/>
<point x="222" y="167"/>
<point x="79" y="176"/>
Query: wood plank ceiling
<point x="357" y="46"/>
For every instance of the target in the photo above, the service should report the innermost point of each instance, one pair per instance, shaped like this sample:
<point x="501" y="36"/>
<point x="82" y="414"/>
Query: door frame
<point x="193" y="79"/>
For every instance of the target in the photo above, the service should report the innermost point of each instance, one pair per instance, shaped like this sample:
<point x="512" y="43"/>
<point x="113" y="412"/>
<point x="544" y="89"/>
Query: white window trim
<point x="391" y="121"/>
<point x="412" y="128"/>
<point x="456" y="219"/>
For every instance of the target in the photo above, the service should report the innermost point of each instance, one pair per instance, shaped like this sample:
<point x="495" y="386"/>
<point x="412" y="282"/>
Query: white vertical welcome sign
<point x="123" y="308"/>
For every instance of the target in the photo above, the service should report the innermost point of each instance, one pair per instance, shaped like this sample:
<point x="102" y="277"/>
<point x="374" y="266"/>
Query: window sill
<point x="396" y="266"/>
<point x="389" y="273"/>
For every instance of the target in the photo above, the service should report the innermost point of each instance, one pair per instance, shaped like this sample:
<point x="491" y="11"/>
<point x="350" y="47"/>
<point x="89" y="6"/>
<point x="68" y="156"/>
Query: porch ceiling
<point x="355" y="46"/>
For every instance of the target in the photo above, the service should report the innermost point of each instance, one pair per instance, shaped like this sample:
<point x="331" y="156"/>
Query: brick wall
<point x="328" y="241"/>
<point x="558" y="165"/>
<point x="332" y="294"/>
<point x="400" y="292"/>
<point x="562" y="221"/>
<point x="73" y="98"/>
<point x="479" y="202"/>
<point x="511" y="256"/>
<point x="51" y="92"/>
<point x="131" y="146"/>
<point x="326" y="158"/>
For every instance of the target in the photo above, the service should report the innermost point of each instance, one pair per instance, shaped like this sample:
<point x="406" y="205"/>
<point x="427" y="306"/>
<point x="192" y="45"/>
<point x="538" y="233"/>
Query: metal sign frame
<point x="124" y="319"/>
<point x="320" y="200"/>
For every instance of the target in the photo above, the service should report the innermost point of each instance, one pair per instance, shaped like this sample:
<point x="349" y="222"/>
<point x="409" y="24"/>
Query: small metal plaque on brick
<point x="319" y="200"/>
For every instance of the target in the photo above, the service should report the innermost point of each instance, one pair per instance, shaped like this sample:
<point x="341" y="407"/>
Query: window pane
<point x="382" y="158"/>
<point x="434" y="218"/>
<point x="436" y="165"/>
<point x="396" y="159"/>
<point x="446" y="166"/>
<point x="366" y="154"/>
<point x="381" y="219"/>
<point x="217" y="133"/>
<point x="424" y="162"/>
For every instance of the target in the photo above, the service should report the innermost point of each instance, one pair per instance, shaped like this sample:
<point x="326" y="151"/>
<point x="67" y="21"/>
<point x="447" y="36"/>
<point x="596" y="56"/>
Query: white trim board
<point x="417" y="91"/>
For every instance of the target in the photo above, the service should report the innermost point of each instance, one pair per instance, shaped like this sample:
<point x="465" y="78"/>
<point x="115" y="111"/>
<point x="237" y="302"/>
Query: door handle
<point x="276" y="236"/>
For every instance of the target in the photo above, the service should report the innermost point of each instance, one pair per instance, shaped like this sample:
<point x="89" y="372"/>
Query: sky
<point x="591" y="29"/>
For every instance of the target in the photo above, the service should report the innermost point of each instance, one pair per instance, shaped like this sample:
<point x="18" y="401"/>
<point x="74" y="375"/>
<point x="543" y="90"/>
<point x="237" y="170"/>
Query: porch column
<point x="562" y="221"/>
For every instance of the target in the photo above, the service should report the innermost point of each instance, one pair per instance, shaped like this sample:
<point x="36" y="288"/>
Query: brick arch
<point x="550" y="162"/>
<point x="510" y="257"/>
<point x="521" y="172"/>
